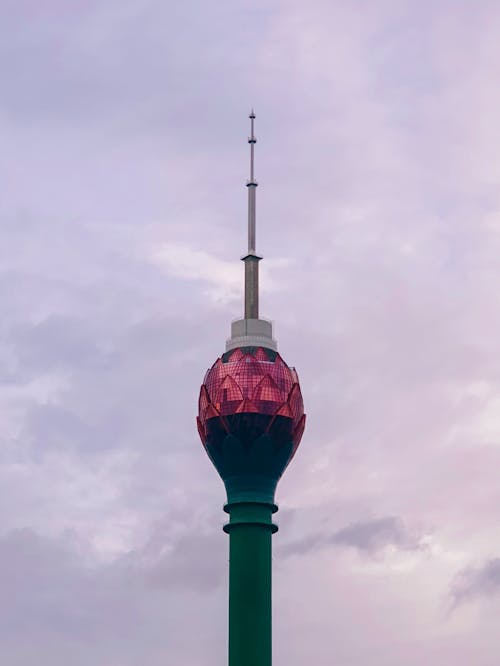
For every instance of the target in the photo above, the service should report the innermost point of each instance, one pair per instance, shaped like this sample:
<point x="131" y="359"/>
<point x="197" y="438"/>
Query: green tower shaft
<point x="250" y="586"/>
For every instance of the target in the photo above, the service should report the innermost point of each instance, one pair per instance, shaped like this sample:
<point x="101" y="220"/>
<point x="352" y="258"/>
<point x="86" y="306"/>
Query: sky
<point x="123" y="210"/>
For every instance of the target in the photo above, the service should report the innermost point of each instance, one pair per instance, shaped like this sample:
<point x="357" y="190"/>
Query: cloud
<point x="373" y="535"/>
<point x="196" y="561"/>
<point x="478" y="582"/>
<point x="224" y="277"/>
<point x="63" y="602"/>
<point x="367" y="537"/>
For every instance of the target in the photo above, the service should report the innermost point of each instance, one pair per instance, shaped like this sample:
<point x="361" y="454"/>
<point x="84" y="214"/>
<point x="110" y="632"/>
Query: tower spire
<point x="251" y="259"/>
<point x="251" y="331"/>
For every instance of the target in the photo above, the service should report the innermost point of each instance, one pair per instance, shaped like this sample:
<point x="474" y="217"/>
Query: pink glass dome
<point x="251" y="382"/>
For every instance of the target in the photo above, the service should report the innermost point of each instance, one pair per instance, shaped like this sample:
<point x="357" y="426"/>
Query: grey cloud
<point x="367" y="537"/>
<point x="152" y="364"/>
<point x="482" y="581"/>
<point x="373" y="535"/>
<point x="60" y="342"/>
<point x="63" y="603"/>
<point x="196" y="561"/>
<point x="302" y="546"/>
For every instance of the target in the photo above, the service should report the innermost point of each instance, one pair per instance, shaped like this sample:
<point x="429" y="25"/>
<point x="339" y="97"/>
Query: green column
<point x="250" y="625"/>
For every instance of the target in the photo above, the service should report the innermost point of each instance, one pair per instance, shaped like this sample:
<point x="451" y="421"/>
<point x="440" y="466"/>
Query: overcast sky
<point x="123" y="209"/>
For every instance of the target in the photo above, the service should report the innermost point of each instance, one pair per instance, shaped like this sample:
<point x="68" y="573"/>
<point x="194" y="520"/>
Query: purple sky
<point x="123" y="212"/>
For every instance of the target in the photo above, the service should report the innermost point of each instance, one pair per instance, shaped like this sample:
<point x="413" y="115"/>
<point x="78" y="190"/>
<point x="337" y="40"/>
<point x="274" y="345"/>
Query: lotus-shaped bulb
<point x="251" y="420"/>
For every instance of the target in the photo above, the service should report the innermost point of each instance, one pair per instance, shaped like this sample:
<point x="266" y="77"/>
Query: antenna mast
<point x="251" y="259"/>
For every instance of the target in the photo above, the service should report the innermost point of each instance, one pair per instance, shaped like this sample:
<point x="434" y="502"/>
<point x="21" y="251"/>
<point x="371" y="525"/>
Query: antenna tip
<point x="252" y="114"/>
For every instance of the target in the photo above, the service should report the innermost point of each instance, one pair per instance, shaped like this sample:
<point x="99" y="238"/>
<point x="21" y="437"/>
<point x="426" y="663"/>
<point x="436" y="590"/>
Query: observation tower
<point x="251" y="419"/>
